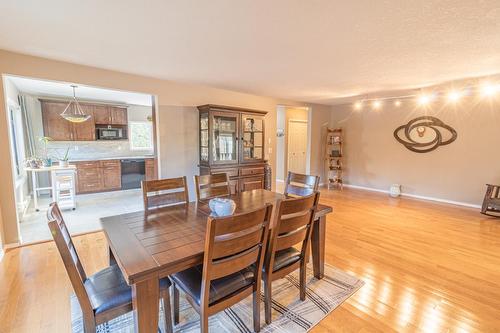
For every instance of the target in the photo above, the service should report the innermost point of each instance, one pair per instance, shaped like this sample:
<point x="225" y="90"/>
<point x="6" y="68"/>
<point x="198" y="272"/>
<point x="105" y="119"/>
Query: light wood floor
<point x="428" y="267"/>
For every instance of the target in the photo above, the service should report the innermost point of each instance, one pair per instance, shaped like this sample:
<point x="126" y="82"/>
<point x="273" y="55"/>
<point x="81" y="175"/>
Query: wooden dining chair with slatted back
<point x="292" y="226"/>
<point x="104" y="295"/>
<point x="299" y="185"/>
<point x="212" y="186"/>
<point x="164" y="192"/>
<point x="232" y="266"/>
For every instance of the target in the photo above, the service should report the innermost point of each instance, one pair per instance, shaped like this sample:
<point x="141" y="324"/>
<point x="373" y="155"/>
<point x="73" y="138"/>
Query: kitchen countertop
<point x="110" y="158"/>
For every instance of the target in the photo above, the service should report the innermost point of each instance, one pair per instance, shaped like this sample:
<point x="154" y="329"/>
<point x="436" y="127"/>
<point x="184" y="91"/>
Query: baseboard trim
<point x="1" y="254"/>
<point x="280" y="181"/>
<point x="11" y="246"/>
<point x="416" y="196"/>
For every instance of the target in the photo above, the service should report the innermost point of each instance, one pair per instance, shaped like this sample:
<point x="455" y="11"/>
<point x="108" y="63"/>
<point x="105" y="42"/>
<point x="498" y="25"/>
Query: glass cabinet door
<point x="253" y="138"/>
<point x="224" y="137"/>
<point x="204" y="137"/>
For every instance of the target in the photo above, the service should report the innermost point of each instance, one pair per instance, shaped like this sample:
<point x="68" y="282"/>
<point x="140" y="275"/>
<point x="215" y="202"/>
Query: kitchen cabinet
<point x="55" y="126"/>
<point x="110" y="115"/>
<point x="59" y="129"/>
<point x="231" y="140"/>
<point x="98" y="176"/>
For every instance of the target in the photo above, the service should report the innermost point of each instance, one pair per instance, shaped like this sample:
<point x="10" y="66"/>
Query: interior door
<point x="297" y="146"/>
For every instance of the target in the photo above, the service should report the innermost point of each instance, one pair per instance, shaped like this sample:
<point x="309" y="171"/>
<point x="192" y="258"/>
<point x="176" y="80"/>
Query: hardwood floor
<point x="427" y="267"/>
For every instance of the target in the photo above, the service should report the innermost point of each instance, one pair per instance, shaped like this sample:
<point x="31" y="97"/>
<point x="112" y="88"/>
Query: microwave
<point x="110" y="133"/>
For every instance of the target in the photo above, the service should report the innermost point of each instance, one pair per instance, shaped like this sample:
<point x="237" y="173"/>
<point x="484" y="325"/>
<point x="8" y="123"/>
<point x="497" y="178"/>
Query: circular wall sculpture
<point x="424" y="134"/>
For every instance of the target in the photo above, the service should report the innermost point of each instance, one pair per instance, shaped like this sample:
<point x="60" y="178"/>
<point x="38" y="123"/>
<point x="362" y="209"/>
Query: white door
<point x="297" y="146"/>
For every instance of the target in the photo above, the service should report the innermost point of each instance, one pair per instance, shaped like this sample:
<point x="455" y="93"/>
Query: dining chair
<point x="164" y="192"/>
<point x="299" y="185"/>
<point x="293" y="225"/>
<point x="232" y="266"/>
<point x="104" y="295"/>
<point x="211" y="186"/>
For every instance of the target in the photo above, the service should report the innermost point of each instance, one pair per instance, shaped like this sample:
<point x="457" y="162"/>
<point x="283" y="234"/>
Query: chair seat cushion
<point x="285" y="257"/>
<point x="189" y="281"/>
<point x="107" y="289"/>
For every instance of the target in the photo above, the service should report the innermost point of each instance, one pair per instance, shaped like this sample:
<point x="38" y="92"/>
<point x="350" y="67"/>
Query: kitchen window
<point x="141" y="135"/>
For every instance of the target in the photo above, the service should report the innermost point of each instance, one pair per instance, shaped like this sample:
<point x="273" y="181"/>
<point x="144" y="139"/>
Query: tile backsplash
<point x="93" y="149"/>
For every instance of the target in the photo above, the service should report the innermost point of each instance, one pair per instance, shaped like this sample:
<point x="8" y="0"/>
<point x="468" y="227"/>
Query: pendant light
<point x="73" y="112"/>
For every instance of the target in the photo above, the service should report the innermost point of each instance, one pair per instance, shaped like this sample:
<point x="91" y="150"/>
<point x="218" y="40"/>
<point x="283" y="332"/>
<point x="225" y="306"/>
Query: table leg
<point x="112" y="260"/>
<point x="145" y="298"/>
<point x="34" y="188"/>
<point x="318" y="247"/>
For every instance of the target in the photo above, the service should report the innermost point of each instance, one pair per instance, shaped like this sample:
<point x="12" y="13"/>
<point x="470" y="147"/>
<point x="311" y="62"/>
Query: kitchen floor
<point x="85" y="218"/>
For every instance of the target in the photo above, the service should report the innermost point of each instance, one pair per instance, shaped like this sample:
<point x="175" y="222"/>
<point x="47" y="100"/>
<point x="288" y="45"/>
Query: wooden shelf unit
<point x="333" y="158"/>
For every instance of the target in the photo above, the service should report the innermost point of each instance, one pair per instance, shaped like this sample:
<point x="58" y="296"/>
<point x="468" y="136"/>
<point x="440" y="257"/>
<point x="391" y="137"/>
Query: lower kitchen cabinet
<point x="98" y="176"/>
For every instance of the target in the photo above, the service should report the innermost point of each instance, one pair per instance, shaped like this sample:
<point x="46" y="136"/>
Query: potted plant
<point x="63" y="161"/>
<point x="47" y="161"/>
<point x="33" y="162"/>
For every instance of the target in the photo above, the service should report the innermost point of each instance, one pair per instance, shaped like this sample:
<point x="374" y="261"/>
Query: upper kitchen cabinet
<point x="55" y="126"/>
<point x="60" y="129"/>
<point x="110" y="115"/>
<point x="118" y="115"/>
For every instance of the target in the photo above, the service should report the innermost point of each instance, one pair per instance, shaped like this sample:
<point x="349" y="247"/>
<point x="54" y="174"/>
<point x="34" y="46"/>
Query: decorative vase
<point x="64" y="164"/>
<point x="47" y="162"/>
<point x="222" y="207"/>
<point x="395" y="190"/>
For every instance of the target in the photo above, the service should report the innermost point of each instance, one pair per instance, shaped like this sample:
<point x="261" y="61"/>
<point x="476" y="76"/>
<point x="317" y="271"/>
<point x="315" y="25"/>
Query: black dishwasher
<point x="133" y="172"/>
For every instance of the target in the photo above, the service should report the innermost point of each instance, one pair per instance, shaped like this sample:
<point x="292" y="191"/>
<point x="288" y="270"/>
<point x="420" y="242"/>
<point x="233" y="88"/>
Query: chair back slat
<point x="70" y="257"/>
<point x="235" y="263"/>
<point x="212" y="186"/>
<point x="164" y="192"/>
<point x="299" y="185"/>
<point x="290" y="239"/>
<point x="233" y="243"/>
<point x="237" y="223"/>
<point x="294" y="223"/>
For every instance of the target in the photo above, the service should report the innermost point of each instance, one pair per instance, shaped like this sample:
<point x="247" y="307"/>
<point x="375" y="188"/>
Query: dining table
<point x="150" y="245"/>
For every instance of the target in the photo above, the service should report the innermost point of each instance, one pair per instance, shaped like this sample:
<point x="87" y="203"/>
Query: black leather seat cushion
<point x="189" y="281"/>
<point x="108" y="289"/>
<point x="285" y="257"/>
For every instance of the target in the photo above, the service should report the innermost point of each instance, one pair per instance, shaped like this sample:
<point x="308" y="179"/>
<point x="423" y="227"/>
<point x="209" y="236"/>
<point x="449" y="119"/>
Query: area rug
<point x="289" y="313"/>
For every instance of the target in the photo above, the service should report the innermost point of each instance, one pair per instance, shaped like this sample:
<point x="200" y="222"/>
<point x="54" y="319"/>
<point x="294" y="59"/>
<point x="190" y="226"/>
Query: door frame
<point x="308" y="143"/>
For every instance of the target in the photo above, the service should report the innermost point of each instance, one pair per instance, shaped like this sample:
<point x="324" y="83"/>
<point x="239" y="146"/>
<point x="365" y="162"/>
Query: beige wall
<point x="456" y="172"/>
<point x="171" y="147"/>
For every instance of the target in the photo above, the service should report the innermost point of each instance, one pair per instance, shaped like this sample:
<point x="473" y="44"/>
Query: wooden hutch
<point x="232" y="141"/>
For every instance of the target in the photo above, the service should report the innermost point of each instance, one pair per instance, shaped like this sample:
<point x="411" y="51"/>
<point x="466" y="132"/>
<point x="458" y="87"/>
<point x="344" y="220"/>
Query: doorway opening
<point x="92" y="168"/>
<point x="293" y="144"/>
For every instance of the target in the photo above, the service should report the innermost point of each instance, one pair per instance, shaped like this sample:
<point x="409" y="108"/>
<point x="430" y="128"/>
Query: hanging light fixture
<point x="73" y="112"/>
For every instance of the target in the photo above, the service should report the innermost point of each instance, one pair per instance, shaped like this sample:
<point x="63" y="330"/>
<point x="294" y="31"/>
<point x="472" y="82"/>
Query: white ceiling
<point x="313" y="51"/>
<point x="63" y="89"/>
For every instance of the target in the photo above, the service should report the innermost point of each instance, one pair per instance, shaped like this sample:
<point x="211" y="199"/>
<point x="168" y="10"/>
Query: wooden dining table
<point x="148" y="246"/>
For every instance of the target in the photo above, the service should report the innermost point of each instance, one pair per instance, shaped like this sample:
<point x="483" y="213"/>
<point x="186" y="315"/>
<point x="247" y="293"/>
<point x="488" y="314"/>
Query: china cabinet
<point x="232" y="141"/>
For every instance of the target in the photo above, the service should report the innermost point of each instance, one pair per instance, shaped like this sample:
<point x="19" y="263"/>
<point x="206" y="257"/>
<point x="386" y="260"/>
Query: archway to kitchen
<point x="93" y="168"/>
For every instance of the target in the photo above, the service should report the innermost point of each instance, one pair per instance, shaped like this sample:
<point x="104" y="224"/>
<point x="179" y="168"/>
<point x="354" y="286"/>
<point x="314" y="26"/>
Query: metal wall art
<point x="424" y="134"/>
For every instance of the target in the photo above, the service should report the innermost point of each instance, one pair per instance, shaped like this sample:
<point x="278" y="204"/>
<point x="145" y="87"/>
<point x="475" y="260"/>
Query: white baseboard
<point x="280" y="181"/>
<point x="1" y="254"/>
<point x="416" y="196"/>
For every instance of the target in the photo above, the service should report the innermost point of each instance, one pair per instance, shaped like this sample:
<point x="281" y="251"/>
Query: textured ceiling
<point x="314" y="51"/>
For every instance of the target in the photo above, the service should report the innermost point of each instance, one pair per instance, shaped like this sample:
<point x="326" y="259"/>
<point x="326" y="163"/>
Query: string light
<point x="423" y="99"/>
<point x="377" y="104"/>
<point x="488" y="89"/>
<point x="454" y="96"/>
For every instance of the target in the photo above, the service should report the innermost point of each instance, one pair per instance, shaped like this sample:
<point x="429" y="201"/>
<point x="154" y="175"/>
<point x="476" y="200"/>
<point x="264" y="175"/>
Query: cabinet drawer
<point x="251" y="171"/>
<point x="251" y="183"/>
<point x="110" y="163"/>
<point x="85" y="165"/>
<point x="230" y="172"/>
<point x="90" y="173"/>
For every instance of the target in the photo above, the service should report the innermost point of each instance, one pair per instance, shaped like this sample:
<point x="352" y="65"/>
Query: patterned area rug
<point x="289" y="313"/>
